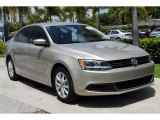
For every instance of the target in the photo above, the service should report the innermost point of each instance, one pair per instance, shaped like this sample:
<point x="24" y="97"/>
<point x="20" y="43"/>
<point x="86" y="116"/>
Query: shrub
<point x="2" y="48"/>
<point x="151" y="45"/>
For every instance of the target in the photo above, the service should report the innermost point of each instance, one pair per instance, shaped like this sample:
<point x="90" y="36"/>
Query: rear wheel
<point x="63" y="85"/>
<point x="117" y="39"/>
<point x="11" y="70"/>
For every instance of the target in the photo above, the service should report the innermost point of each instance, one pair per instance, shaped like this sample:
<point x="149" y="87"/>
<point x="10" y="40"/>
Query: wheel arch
<point x="8" y="57"/>
<point x="56" y="66"/>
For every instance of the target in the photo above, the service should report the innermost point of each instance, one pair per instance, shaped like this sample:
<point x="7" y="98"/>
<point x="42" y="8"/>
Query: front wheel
<point x="63" y="85"/>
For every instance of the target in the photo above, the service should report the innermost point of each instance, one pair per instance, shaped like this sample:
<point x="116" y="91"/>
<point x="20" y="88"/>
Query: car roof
<point x="55" y="24"/>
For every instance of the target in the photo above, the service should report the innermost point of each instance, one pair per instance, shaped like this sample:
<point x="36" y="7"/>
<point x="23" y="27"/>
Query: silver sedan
<point x="77" y="60"/>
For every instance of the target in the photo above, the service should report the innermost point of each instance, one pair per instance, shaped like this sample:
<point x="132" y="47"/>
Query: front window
<point x="65" y="34"/>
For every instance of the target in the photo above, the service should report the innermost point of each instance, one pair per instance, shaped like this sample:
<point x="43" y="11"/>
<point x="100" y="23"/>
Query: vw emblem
<point x="134" y="62"/>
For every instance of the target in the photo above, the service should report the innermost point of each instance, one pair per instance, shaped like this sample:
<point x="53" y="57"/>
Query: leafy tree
<point x="52" y="11"/>
<point x="126" y="16"/>
<point x="12" y="13"/>
<point x="81" y="13"/>
<point x="153" y="12"/>
<point x="69" y="13"/>
<point x="23" y="12"/>
<point x="35" y="18"/>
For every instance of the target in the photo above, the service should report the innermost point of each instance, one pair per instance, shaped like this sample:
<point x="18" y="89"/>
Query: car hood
<point x="107" y="50"/>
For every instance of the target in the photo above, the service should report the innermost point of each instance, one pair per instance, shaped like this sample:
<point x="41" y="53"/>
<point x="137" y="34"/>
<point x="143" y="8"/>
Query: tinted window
<point x="64" y="34"/>
<point x="123" y="31"/>
<point x="23" y="35"/>
<point x="157" y="29"/>
<point x="115" y="32"/>
<point x="37" y="33"/>
<point x="107" y="33"/>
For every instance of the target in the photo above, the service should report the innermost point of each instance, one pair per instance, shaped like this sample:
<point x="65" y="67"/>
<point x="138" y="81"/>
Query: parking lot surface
<point x="39" y="96"/>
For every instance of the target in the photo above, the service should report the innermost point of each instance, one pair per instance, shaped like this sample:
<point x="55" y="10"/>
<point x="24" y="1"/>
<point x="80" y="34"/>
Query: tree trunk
<point x="5" y="25"/>
<point x="135" y="26"/>
<point x="97" y="19"/>
<point x="20" y="16"/>
<point x="50" y="18"/>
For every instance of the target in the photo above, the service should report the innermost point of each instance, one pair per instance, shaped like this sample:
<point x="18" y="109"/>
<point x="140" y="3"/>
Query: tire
<point x="63" y="85"/>
<point x="117" y="39"/>
<point x="11" y="70"/>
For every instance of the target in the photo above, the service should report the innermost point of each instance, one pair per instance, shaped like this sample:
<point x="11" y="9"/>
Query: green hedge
<point x="151" y="45"/>
<point x="2" y="48"/>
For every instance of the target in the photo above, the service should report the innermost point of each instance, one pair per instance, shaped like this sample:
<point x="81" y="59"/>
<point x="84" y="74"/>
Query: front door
<point x="37" y="56"/>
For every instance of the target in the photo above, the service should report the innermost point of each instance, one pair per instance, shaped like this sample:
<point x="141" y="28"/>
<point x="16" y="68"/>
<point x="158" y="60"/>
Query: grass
<point x="157" y="71"/>
<point x="2" y="55"/>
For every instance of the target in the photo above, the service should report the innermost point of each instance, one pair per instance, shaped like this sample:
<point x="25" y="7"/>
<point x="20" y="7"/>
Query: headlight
<point x="94" y="65"/>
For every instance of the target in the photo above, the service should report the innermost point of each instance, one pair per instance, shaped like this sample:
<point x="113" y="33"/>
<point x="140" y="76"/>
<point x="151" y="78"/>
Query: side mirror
<point x="40" y="42"/>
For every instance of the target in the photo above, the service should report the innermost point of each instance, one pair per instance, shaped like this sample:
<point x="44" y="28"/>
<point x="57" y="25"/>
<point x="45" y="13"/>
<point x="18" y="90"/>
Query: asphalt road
<point x="43" y="97"/>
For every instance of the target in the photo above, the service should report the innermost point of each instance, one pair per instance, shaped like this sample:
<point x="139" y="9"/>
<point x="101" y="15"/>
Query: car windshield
<point x="65" y="34"/>
<point x="143" y="30"/>
<point x="157" y="29"/>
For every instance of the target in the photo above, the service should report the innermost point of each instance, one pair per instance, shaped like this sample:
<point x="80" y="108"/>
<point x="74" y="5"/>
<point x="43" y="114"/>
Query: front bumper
<point x="110" y="77"/>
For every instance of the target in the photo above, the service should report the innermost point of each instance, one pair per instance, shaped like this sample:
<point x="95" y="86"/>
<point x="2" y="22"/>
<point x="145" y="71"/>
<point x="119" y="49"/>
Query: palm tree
<point x="5" y="15"/>
<point x="23" y="12"/>
<point x="135" y="26"/>
<point x="126" y="16"/>
<point x="53" y="11"/>
<point x="35" y="18"/>
<point x="80" y="13"/>
<point x="12" y="13"/>
<point x="94" y="11"/>
<point x="1" y="15"/>
<point x="69" y="13"/>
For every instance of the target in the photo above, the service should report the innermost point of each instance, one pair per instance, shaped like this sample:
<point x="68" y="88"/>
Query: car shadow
<point x="117" y="100"/>
<point x="38" y="86"/>
<point x="110" y="101"/>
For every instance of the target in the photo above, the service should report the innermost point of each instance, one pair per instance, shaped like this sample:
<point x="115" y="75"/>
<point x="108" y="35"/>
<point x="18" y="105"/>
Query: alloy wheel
<point x="62" y="85"/>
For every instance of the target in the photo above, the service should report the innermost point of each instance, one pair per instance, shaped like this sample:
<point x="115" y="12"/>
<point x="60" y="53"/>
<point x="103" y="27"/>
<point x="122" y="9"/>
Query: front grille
<point x="134" y="83"/>
<point x="127" y="62"/>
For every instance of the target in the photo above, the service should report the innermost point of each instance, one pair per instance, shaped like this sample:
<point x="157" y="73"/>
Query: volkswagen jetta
<point x="77" y="60"/>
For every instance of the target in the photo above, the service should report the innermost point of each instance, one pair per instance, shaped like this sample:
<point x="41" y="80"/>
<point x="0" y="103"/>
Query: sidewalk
<point x="9" y="105"/>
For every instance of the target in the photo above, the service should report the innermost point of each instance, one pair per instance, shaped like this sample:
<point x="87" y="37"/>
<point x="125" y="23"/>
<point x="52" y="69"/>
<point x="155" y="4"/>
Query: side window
<point x="116" y="32"/>
<point x="23" y="35"/>
<point x="37" y="33"/>
<point x="113" y="32"/>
